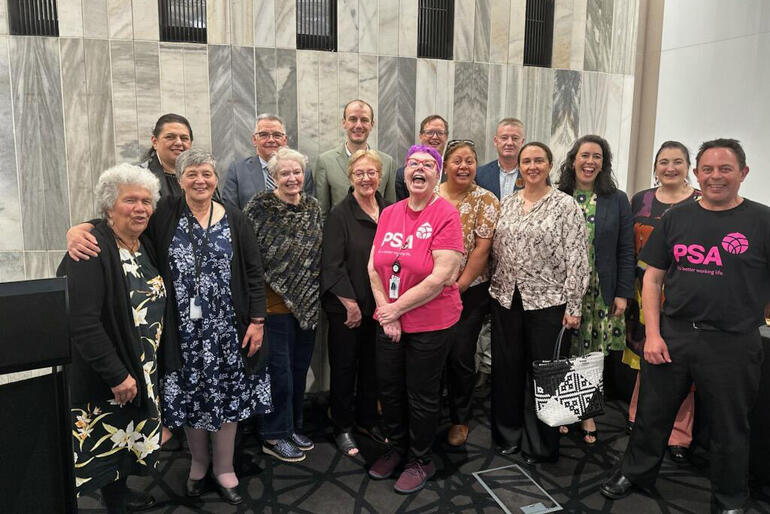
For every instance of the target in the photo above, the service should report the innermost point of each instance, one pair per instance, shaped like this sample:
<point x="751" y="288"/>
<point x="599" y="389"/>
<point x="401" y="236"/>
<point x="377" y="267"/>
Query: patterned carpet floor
<point x="328" y="482"/>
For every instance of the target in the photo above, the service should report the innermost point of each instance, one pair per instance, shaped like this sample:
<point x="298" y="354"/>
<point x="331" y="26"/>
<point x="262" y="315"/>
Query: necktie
<point x="269" y="182"/>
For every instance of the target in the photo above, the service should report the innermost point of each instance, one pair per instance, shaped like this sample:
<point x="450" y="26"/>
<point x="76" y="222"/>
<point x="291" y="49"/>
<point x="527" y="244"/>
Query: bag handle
<point x="559" y="339"/>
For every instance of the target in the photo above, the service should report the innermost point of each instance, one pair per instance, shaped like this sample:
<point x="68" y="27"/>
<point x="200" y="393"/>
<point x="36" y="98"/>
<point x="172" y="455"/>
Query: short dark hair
<point x="676" y="145"/>
<point x="345" y="109"/>
<point x="731" y="144"/>
<point x="605" y="181"/>
<point x="432" y="117"/>
<point x="167" y="118"/>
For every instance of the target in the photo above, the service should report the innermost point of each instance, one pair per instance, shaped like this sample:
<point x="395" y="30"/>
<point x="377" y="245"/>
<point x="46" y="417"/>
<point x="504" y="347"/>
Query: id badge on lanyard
<point x="196" y="311"/>
<point x="395" y="280"/>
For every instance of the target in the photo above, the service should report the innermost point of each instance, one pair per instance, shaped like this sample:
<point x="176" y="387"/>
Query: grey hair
<point x="285" y="154"/>
<point x="269" y="117"/>
<point x="194" y="157"/>
<point x="124" y="174"/>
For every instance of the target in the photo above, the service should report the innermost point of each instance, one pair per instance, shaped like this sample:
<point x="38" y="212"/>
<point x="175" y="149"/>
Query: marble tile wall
<point x="598" y="35"/>
<point x="10" y="206"/>
<point x="470" y="101"/>
<point x="565" y="112"/>
<point x="396" y="105"/>
<point x="36" y="97"/>
<point x="101" y="86"/>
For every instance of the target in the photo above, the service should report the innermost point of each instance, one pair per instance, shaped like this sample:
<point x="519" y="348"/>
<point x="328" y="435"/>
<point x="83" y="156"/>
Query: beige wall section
<point x="650" y="30"/>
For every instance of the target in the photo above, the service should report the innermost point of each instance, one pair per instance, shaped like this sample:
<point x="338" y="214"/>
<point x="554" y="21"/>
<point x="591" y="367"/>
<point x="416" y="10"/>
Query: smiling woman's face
<point x="460" y="167"/>
<point x="421" y="173"/>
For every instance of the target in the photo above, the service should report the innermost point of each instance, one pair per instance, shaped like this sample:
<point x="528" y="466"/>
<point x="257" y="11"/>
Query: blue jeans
<point x="289" y="354"/>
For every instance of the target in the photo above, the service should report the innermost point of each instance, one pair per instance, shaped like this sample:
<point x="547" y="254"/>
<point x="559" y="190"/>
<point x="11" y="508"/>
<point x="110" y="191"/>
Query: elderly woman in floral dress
<point x="117" y="303"/>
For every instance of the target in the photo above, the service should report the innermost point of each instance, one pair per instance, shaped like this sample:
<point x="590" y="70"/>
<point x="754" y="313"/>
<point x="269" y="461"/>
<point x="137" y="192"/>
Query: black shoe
<point x="678" y="454"/>
<point x="617" y="486"/>
<point x="374" y="433"/>
<point x="194" y="488"/>
<point x="508" y="450"/>
<point x="139" y="501"/>
<point x="531" y="459"/>
<point x="229" y="494"/>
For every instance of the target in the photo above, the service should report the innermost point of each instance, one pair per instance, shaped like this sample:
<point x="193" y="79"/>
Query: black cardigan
<point x="347" y="242"/>
<point x="101" y="323"/>
<point x="247" y="285"/>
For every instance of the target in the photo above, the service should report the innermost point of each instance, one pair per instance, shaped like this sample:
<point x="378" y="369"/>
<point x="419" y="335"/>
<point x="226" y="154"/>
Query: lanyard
<point x="396" y="267"/>
<point x="199" y="255"/>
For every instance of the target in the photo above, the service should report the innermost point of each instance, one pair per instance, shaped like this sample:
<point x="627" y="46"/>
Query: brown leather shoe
<point x="458" y="434"/>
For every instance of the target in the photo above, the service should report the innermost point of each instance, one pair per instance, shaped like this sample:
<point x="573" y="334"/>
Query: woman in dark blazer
<point x="586" y="174"/>
<point x="346" y="296"/>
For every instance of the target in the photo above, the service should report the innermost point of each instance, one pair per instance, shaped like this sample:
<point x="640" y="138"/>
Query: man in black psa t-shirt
<point x="713" y="260"/>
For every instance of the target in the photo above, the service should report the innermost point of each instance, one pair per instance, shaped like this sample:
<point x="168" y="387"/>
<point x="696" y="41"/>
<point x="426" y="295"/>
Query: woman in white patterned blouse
<point x="540" y="273"/>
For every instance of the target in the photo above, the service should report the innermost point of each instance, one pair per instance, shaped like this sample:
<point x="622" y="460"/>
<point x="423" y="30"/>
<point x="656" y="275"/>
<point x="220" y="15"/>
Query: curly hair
<point x="605" y="181"/>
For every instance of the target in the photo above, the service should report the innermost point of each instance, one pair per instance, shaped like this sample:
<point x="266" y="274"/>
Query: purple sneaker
<point x="385" y="465"/>
<point x="414" y="476"/>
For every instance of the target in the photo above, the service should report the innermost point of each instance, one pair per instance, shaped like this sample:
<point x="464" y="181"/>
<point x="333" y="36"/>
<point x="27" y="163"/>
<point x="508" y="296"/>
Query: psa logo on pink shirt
<point x="397" y="240"/>
<point x="734" y="243"/>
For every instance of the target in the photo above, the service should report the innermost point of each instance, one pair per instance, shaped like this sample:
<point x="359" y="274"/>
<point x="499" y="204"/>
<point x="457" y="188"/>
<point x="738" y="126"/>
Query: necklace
<point x="125" y="245"/>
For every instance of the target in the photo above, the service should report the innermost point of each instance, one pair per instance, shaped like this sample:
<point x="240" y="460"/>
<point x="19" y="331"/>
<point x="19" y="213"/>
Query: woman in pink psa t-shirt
<point x="413" y="268"/>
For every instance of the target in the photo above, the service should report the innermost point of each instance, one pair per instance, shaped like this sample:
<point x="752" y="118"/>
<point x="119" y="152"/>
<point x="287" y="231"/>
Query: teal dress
<point x="111" y="440"/>
<point x="598" y="330"/>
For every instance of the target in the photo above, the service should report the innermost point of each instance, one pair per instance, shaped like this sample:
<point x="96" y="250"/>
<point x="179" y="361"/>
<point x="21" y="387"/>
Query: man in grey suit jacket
<point x="248" y="177"/>
<point x="501" y="176"/>
<point x="331" y="175"/>
<point x="434" y="131"/>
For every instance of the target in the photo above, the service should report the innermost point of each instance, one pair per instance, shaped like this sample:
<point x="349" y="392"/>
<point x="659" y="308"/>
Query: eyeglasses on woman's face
<point x="359" y="174"/>
<point x="426" y="164"/>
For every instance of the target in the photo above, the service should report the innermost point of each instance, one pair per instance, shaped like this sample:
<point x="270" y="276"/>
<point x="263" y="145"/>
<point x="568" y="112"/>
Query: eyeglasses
<point x="268" y="135"/>
<point x="361" y="174"/>
<point x="426" y="165"/>
<point x="433" y="133"/>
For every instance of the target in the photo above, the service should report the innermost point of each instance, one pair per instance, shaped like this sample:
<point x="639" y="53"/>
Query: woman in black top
<point x="117" y="302"/>
<point x="171" y="136"/>
<point x="346" y="295"/>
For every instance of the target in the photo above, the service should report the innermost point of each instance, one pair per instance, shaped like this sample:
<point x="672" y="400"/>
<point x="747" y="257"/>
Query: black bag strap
<point x="559" y="339"/>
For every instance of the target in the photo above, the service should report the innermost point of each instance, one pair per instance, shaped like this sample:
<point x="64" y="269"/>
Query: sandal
<point x="346" y="443"/>
<point x="590" y="433"/>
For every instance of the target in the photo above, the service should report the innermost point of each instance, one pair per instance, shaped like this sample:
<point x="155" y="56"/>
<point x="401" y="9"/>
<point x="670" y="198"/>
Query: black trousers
<point x="726" y="369"/>
<point x="353" y="374"/>
<point x="520" y="337"/>
<point x="409" y="375"/>
<point x="461" y="362"/>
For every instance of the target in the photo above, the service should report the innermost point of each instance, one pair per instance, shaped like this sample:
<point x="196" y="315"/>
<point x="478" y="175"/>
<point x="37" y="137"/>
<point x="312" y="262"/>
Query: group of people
<point x="199" y="311"/>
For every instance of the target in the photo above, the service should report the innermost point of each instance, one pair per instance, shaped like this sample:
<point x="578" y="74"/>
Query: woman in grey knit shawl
<point x="287" y="223"/>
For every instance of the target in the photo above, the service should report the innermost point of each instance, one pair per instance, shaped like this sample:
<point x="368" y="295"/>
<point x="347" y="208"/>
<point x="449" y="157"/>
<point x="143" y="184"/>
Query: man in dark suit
<point x="248" y="177"/>
<point x="331" y="175"/>
<point x="501" y="176"/>
<point x="434" y="131"/>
